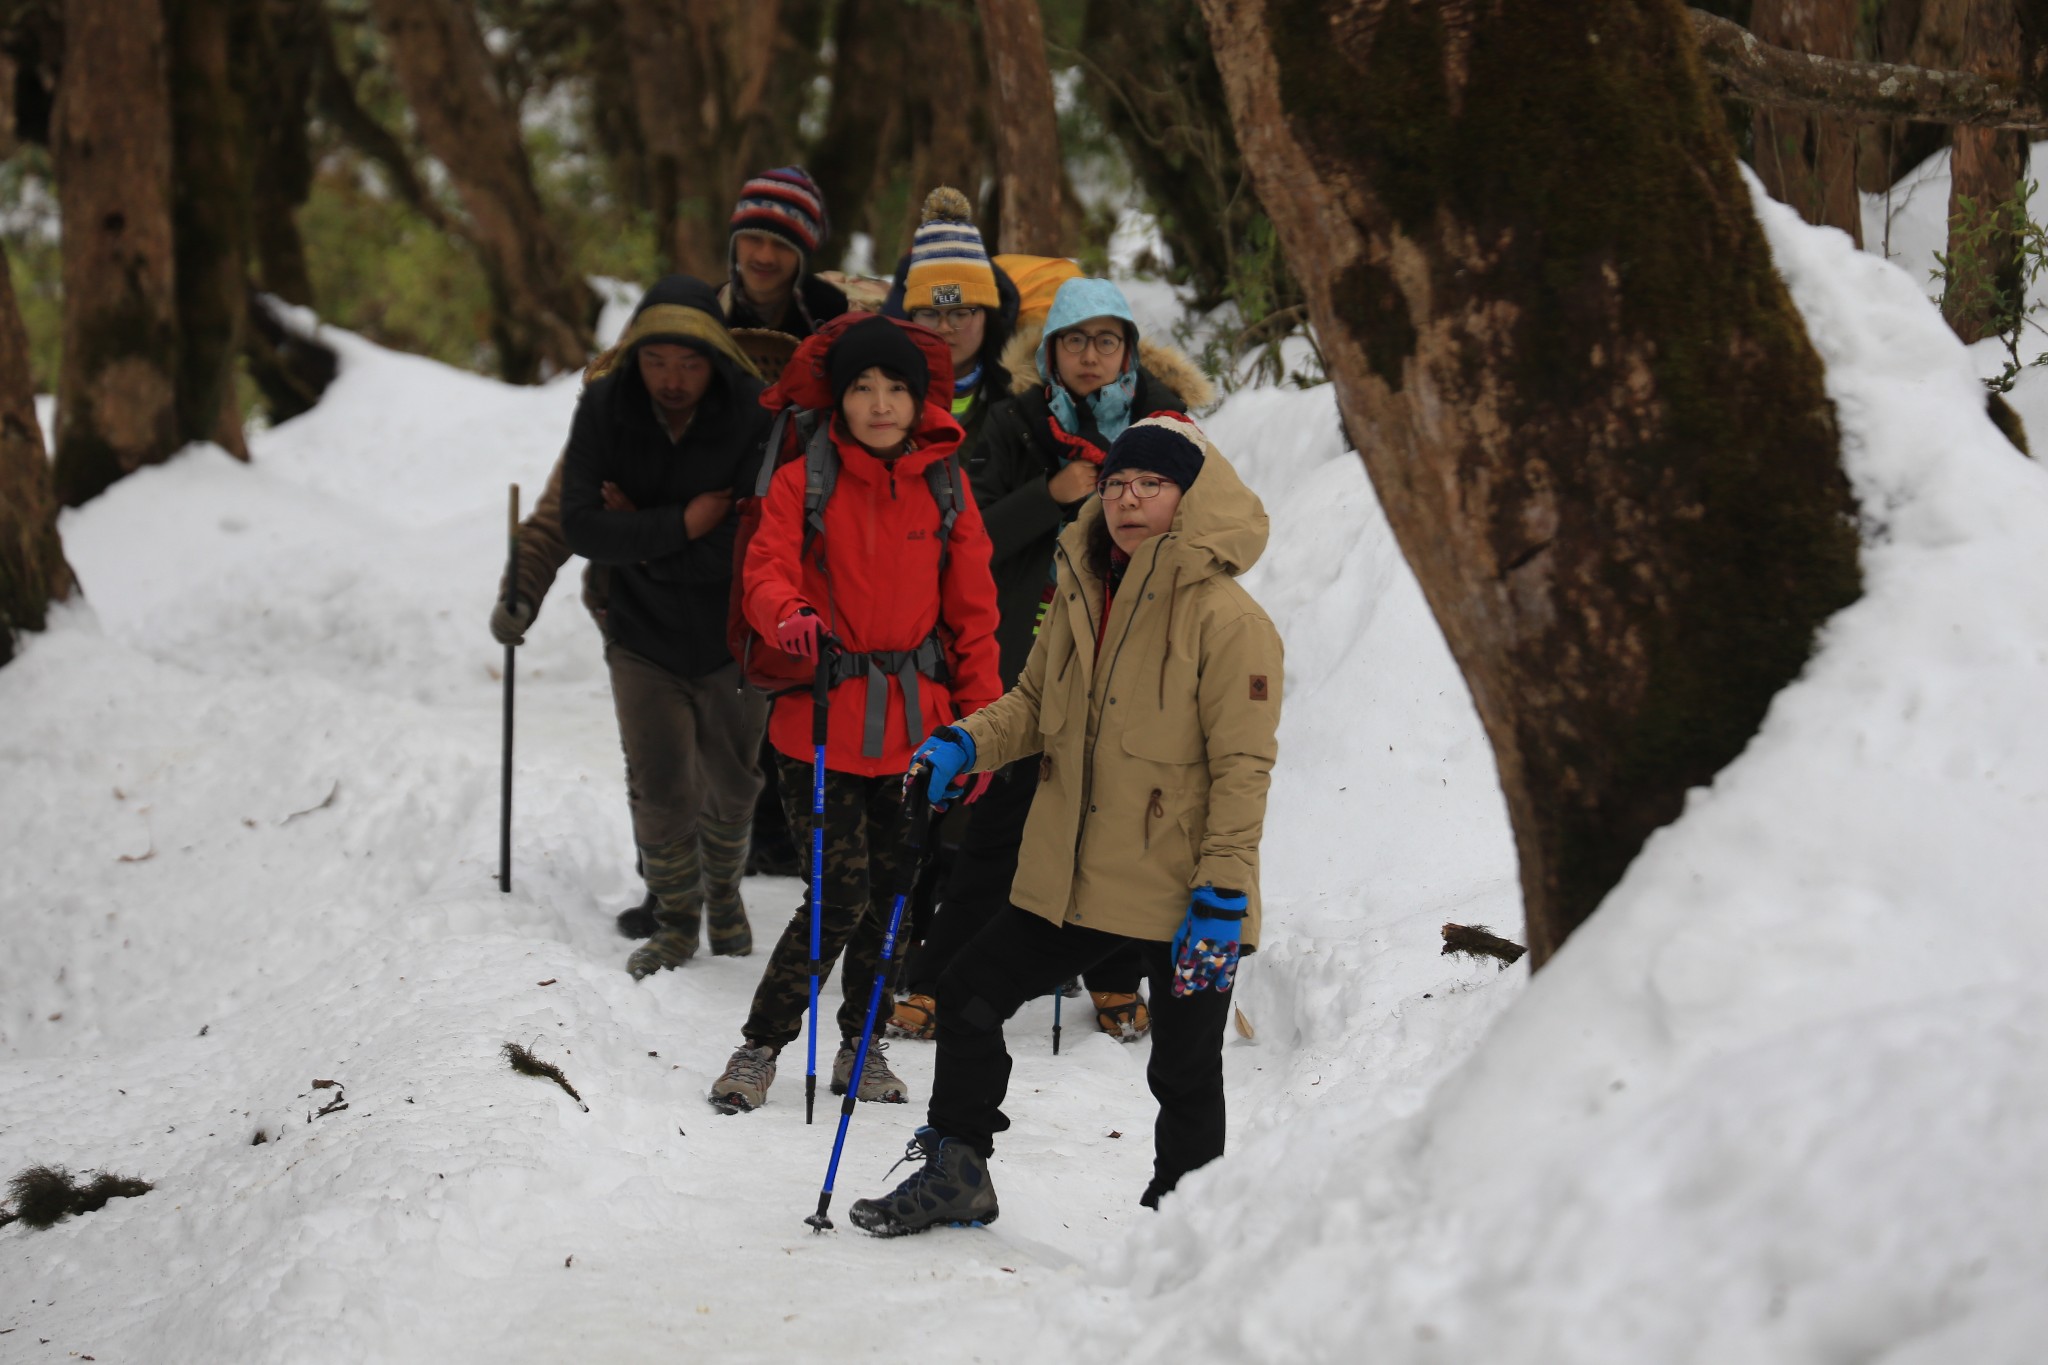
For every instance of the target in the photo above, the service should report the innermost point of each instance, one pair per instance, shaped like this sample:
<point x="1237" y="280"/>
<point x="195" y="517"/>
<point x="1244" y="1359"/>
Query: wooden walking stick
<point x="505" y="786"/>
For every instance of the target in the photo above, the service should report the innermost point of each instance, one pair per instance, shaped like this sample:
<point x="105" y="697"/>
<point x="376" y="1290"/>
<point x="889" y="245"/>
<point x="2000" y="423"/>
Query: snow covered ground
<point x="252" y="787"/>
<point x="1782" y="1100"/>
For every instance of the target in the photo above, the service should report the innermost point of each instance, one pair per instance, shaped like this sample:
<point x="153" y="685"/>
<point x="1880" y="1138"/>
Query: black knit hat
<point x="1157" y="445"/>
<point x="876" y="342"/>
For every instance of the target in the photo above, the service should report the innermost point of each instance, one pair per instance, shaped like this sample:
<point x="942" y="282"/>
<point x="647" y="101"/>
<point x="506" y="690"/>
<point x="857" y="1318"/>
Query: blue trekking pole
<point x="821" y="701"/>
<point x="918" y="824"/>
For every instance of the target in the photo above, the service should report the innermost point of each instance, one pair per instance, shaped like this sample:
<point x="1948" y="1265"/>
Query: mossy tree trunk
<point x="1585" y="400"/>
<point x="1983" y="294"/>
<point x="706" y="75"/>
<point x="116" y="391"/>
<point x="1027" y="127"/>
<point x="210" y="212"/>
<point x="911" y="109"/>
<point x="276" y="58"/>
<point x="542" y="312"/>
<point x="1809" y="160"/>
<point x="33" y="573"/>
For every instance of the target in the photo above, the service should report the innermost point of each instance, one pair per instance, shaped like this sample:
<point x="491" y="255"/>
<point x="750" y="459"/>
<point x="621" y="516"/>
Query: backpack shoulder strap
<point x="821" y="475"/>
<point x="943" y="478"/>
<point x="771" y="455"/>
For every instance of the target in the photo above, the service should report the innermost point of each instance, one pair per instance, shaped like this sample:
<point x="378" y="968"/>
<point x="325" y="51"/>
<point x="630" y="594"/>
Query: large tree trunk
<point x="1984" y="290"/>
<point x="1027" y="129"/>
<point x="210" y="213"/>
<point x="701" y="75"/>
<point x="116" y="393"/>
<point x="33" y="573"/>
<point x="1583" y="395"/>
<point x="277" y="61"/>
<point x="1809" y="160"/>
<point x="542" y="312"/>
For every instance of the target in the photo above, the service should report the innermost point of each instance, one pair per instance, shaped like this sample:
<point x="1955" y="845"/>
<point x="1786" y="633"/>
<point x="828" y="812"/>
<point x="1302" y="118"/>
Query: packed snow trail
<point x="253" y="789"/>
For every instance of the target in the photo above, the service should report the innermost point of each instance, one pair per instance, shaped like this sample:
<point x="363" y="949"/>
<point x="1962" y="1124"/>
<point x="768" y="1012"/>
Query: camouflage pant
<point x="863" y="858"/>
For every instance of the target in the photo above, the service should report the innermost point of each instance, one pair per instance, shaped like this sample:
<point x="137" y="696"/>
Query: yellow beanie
<point x="949" y="267"/>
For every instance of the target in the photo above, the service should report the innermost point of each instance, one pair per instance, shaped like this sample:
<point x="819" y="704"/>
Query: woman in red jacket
<point x="906" y="613"/>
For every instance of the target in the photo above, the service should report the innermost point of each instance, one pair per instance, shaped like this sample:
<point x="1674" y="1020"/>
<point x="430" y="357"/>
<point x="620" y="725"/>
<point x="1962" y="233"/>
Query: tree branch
<point x="1875" y="92"/>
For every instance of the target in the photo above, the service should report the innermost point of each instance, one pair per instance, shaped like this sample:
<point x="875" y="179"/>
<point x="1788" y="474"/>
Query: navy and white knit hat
<point x="784" y="203"/>
<point x="1162" y="444"/>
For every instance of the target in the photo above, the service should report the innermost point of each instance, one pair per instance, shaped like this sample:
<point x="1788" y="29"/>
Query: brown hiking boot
<point x="916" y="1018"/>
<point x="1123" y="1017"/>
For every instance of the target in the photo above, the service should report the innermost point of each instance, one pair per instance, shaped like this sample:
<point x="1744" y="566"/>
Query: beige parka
<point x="1156" y="757"/>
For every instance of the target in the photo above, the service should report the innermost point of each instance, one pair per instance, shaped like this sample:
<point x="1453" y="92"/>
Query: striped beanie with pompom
<point x="949" y="267"/>
<point x="784" y="203"/>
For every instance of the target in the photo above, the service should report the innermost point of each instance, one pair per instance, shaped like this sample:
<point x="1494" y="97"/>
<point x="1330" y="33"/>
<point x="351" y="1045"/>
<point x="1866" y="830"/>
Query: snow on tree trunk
<point x="116" y="391"/>
<point x="33" y="573"/>
<point x="210" y="212"/>
<point x="1808" y="160"/>
<point x="1582" y="393"/>
<point x="542" y="311"/>
<point x="1027" y="127"/>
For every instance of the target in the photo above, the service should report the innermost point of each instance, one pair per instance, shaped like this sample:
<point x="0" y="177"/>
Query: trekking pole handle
<point x="821" y="695"/>
<point x="512" y="551"/>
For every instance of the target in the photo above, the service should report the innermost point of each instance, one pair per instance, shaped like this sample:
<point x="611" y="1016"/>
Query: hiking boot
<point x="639" y="921"/>
<point x="1123" y="1017"/>
<point x="744" y="1085"/>
<point x="725" y="863"/>
<point x="877" y="1082"/>
<point x="951" y="1187"/>
<point x="675" y="879"/>
<point x="916" y="1018"/>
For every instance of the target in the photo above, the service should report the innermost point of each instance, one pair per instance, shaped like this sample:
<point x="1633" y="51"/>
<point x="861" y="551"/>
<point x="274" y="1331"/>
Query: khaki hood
<point x="1221" y="526"/>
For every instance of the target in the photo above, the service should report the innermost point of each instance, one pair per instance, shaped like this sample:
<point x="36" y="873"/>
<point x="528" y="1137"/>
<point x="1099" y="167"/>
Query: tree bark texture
<point x="1151" y="77"/>
<point x="116" y="391"/>
<point x="1805" y="159"/>
<point x="888" y="138"/>
<point x="1584" y="397"/>
<point x="1027" y="128"/>
<point x="33" y="573"/>
<point x="277" y="69"/>
<point x="210" y="213"/>
<point x="1984" y="173"/>
<point x="702" y="72"/>
<point x="1874" y="91"/>
<point x="542" y="311"/>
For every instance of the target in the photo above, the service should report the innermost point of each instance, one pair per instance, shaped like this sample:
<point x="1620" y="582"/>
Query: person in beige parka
<point x="1152" y="698"/>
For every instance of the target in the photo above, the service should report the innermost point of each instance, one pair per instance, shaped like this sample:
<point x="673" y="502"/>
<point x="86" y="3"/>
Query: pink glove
<point x="977" y="787"/>
<point x="798" y="636"/>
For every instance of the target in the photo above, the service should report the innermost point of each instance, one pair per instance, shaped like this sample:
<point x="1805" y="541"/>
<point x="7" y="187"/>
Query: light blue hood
<point x="1077" y="301"/>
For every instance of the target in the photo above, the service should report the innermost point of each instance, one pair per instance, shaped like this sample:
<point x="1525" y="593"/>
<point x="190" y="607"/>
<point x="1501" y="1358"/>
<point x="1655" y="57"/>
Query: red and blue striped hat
<point x="784" y="203"/>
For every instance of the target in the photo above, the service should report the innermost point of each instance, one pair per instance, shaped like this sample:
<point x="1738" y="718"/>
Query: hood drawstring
<point x="1172" y="596"/>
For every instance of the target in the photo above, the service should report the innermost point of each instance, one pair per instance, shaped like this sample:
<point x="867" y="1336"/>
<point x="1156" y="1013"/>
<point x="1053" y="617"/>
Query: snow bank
<point x="1781" y="1099"/>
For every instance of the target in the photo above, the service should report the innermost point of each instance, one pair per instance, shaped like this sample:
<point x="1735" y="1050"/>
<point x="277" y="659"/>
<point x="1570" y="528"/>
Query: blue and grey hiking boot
<point x="951" y="1188"/>
<point x="878" y="1081"/>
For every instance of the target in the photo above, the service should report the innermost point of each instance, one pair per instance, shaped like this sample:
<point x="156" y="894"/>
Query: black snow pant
<point x="1019" y="956"/>
<point x="979" y="885"/>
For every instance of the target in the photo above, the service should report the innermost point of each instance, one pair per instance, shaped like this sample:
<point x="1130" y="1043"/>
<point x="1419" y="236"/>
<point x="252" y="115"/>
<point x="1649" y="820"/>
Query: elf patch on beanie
<point x="949" y="267"/>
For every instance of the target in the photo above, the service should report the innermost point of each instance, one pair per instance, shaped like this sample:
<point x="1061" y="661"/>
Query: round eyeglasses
<point x="953" y="318"/>
<point x="1144" y="489"/>
<point x="1105" y="343"/>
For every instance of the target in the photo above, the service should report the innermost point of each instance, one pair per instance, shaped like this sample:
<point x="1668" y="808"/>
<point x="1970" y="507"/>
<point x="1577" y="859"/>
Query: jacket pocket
<point x="1170" y="737"/>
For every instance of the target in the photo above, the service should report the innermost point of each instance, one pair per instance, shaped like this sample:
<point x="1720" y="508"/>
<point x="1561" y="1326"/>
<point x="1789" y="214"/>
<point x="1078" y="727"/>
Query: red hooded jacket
<point x="873" y="574"/>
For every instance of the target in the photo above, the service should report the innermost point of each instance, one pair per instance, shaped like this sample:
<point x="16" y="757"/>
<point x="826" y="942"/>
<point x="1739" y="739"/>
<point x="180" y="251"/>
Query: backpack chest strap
<point x="878" y="666"/>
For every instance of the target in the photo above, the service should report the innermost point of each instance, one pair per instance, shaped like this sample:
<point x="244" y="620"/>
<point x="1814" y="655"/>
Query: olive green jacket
<point x="1156" y="756"/>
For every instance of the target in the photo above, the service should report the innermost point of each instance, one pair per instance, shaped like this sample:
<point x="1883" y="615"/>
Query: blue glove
<point x="949" y="753"/>
<point x="1205" y="949"/>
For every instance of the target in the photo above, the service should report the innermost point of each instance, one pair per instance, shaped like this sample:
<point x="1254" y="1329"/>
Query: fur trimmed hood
<point x="1167" y="364"/>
